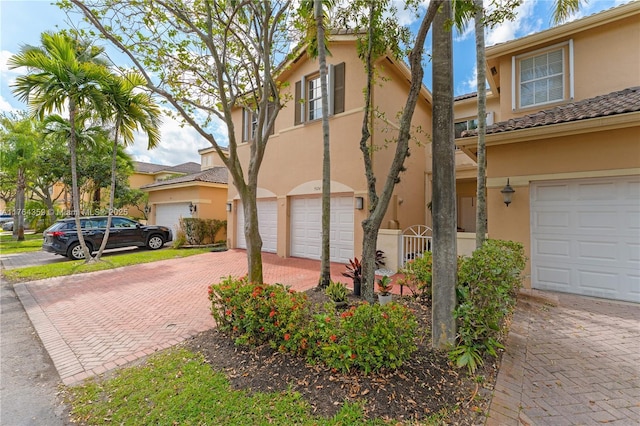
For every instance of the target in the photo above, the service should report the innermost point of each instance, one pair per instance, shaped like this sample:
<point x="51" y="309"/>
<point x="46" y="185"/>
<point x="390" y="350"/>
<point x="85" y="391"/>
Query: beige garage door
<point x="585" y="237"/>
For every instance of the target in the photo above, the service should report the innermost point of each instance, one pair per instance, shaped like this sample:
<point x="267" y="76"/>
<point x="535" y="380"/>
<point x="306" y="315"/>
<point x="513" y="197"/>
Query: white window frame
<point x="306" y="88"/>
<point x="566" y="49"/>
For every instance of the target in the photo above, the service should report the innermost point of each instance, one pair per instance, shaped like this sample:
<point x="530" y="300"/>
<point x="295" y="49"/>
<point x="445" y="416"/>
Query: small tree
<point x="207" y="60"/>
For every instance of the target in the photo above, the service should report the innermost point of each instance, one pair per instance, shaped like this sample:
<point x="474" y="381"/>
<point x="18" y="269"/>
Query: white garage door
<point x="169" y="214"/>
<point x="306" y="228"/>
<point x="585" y="237"/>
<point x="267" y="224"/>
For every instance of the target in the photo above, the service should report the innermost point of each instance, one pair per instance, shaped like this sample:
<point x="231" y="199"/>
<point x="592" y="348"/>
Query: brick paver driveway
<point x="92" y="323"/>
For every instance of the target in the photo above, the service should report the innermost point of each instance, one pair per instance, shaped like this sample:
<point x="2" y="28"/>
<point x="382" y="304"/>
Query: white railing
<point x="416" y="240"/>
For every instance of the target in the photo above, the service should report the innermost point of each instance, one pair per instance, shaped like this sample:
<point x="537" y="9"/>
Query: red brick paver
<point x="575" y="363"/>
<point x="93" y="323"/>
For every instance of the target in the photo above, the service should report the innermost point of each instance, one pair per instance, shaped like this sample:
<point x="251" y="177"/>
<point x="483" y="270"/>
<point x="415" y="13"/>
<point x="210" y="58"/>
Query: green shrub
<point x="488" y="283"/>
<point x="201" y="231"/>
<point x="366" y="337"/>
<point x="336" y="291"/>
<point x="259" y="313"/>
<point x="418" y="275"/>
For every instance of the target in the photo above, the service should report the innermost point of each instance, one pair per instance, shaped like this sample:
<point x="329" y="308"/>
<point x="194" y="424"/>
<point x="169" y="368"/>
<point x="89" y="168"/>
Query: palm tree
<point x="313" y="13"/>
<point x="444" y="184"/>
<point x="132" y="110"/>
<point x="62" y="73"/>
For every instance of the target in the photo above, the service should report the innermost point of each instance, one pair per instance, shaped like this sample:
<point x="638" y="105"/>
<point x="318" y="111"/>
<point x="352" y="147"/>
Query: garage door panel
<point x="267" y="225"/>
<point x="306" y="228"/>
<point x="169" y="214"/>
<point x="585" y="237"/>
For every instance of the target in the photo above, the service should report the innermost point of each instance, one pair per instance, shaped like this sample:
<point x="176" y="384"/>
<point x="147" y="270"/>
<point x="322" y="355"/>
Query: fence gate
<point x="416" y="240"/>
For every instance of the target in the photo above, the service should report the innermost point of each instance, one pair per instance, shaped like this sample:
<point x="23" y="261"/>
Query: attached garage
<point x="585" y="237"/>
<point x="169" y="214"/>
<point x="306" y="228"/>
<point x="267" y="223"/>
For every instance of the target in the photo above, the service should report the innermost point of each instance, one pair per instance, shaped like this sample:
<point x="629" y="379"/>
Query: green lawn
<point x="134" y="257"/>
<point x="8" y="245"/>
<point x="179" y="387"/>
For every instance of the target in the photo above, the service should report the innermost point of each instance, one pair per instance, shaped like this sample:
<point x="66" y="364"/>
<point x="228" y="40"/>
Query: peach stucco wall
<point x="210" y="200"/>
<point x="596" y="154"/>
<point x="606" y="59"/>
<point x="292" y="165"/>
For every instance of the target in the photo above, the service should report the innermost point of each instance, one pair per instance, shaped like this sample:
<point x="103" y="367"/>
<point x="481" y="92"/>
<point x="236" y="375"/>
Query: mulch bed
<point x="425" y="385"/>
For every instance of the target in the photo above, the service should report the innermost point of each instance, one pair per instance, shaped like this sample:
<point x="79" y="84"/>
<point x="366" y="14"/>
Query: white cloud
<point x="178" y="144"/>
<point x="5" y="106"/>
<point x="469" y="83"/>
<point x="524" y="23"/>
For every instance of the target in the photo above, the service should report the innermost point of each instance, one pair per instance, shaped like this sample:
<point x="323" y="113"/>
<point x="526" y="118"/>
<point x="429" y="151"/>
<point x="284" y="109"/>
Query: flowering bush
<point x="259" y="313"/>
<point x="366" y="337"/>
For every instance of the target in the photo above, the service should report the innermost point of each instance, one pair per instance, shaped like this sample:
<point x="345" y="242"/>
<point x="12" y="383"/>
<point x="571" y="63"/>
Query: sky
<point x="22" y="22"/>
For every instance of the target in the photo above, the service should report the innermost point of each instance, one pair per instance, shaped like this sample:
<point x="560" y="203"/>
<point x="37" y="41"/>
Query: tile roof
<point x="212" y="175"/>
<point x="151" y="168"/>
<point x="621" y="102"/>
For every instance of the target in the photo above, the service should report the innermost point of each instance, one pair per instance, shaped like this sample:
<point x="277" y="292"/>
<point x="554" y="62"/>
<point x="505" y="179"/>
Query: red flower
<point x="261" y="329"/>
<point x="272" y="314"/>
<point x="228" y="312"/>
<point x="327" y="319"/>
<point x="287" y="337"/>
<point x="353" y="356"/>
<point x="333" y="338"/>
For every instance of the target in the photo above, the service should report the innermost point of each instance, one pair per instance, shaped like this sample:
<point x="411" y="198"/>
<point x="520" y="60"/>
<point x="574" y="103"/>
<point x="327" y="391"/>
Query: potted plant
<point x="384" y="290"/>
<point x="337" y="292"/>
<point x="354" y="271"/>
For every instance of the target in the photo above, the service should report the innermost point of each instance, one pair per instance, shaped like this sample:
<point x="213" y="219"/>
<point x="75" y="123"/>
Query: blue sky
<point x="22" y="22"/>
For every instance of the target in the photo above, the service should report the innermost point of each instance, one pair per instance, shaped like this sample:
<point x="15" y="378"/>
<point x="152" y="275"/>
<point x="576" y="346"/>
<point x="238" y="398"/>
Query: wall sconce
<point x="229" y="207"/>
<point x="359" y="203"/>
<point x="192" y="208"/>
<point x="507" y="193"/>
<point x="147" y="209"/>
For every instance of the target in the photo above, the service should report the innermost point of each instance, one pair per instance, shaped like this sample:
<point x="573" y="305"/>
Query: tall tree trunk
<point x="114" y="157"/>
<point x="75" y="195"/>
<point x="378" y="205"/>
<point x="252" y="232"/>
<point x="481" y="205"/>
<point x="444" y="184"/>
<point x="18" y="224"/>
<point x="325" y="267"/>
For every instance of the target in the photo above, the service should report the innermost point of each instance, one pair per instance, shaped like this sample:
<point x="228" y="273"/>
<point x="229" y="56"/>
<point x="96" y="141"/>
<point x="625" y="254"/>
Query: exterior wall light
<point x="192" y="208"/>
<point x="229" y="207"/>
<point x="359" y="203"/>
<point x="147" y="209"/>
<point x="507" y="193"/>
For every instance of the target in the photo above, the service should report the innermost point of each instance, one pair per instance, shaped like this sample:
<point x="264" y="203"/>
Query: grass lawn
<point x="179" y="387"/>
<point x="8" y="245"/>
<point x="135" y="257"/>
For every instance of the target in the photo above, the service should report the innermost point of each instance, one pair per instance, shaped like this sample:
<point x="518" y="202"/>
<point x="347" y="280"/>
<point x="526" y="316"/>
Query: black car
<point x="62" y="237"/>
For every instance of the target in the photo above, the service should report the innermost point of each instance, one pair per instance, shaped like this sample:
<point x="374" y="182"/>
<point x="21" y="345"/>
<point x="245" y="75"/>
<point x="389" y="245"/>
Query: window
<point x="308" y="95"/>
<point x="250" y="124"/>
<point x="543" y="76"/>
<point x="314" y="97"/>
<point x="461" y="126"/>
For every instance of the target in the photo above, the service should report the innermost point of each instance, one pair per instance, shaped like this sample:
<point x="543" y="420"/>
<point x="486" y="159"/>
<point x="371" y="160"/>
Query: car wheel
<point x="75" y="251"/>
<point x="155" y="242"/>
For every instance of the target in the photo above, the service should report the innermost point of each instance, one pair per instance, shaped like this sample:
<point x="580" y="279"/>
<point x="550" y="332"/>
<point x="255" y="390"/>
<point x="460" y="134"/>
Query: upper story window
<point x="543" y="77"/>
<point x="250" y="124"/>
<point x="308" y="94"/>
<point x="461" y="126"/>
